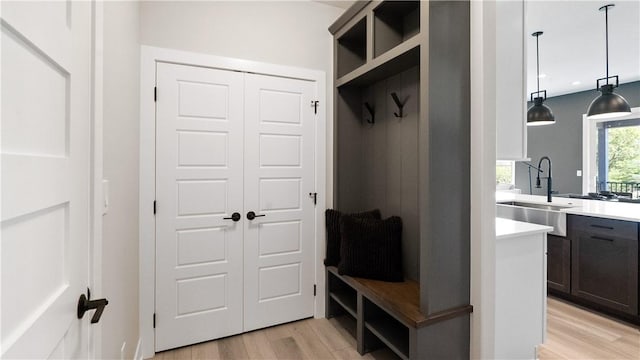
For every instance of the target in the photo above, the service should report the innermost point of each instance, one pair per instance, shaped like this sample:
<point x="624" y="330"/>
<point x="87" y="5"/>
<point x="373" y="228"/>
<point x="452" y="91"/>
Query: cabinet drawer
<point x="606" y="227"/>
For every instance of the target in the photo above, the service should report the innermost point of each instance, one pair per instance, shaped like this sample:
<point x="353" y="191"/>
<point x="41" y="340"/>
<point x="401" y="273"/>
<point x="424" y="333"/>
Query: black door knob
<point x="85" y="304"/>
<point x="235" y="217"/>
<point x="251" y="215"/>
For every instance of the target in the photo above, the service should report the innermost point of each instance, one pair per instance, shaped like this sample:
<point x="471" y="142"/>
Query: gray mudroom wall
<point x="378" y="166"/>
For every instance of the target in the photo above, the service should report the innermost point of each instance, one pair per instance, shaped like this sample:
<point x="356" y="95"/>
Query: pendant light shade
<point x="608" y="104"/>
<point x="539" y="113"/>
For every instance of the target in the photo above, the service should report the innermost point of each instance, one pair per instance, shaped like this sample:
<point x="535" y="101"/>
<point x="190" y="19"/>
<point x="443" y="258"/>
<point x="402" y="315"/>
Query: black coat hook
<point x="371" y="112"/>
<point x="399" y="104"/>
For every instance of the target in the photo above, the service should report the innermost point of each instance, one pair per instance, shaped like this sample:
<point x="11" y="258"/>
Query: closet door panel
<point x="279" y="175"/>
<point x="199" y="183"/>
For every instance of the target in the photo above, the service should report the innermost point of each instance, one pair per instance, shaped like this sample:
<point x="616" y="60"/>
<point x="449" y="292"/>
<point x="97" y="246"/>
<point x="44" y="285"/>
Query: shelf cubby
<point x="352" y="48"/>
<point x="348" y="323"/>
<point x="393" y="23"/>
<point x="344" y="299"/>
<point x="387" y="329"/>
<point x="390" y="63"/>
<point x="342" y="295"/>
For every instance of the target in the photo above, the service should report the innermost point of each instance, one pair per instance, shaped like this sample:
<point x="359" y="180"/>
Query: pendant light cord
<point x="538" y="61"/>
<point x="606" y="31"/>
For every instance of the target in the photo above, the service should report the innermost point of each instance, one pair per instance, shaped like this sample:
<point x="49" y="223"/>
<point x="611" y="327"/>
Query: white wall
<point x="121" y="143"/>
<point x="281" y="32"/>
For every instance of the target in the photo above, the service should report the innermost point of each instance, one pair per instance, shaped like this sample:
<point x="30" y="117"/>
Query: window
<point x="505" y="172"/>
<point x="610" y="154"/>
<point x="618" y="157"/>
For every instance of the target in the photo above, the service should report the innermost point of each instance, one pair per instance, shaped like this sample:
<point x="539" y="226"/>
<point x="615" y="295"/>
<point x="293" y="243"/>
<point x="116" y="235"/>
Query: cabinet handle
<point x="602" y="227"/>
<point x="601" y="238"/>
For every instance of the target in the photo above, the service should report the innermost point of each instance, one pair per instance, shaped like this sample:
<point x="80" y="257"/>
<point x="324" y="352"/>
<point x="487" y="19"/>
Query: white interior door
<point x="279" y="175"/>
<point x="46" y="114"/>
<point x="199" y="145"/>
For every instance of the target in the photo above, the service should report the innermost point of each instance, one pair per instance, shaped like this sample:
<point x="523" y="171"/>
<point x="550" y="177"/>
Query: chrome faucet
<point x="548" y="177"/>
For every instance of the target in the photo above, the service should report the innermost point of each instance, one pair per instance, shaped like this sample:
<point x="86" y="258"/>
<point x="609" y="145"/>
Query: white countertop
<point x="506" y="228"/>
<point x="596" y="208"/>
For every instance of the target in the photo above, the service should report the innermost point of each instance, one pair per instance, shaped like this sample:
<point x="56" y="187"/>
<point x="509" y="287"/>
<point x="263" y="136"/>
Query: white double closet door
<point x="231" y="142"/>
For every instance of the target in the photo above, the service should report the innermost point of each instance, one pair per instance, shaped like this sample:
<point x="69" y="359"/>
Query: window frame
<point x="589" y="145"/>
<point x="602" y="146"/>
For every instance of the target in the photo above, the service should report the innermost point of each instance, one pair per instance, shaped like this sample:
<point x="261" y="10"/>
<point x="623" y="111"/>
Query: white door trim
<point x="149" y="56"/>
<point x="96" y="190"/>
<point x="483" y="178"/>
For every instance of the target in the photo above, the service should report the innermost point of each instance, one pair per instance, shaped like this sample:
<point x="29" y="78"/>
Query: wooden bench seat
<point x="385" y="312"/>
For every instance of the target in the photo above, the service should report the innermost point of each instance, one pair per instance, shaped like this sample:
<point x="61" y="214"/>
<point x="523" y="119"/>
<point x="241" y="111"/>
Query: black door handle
<point x="235" y="217"/>
<point x="251" y="215"/>
<point x="85" y="304"/>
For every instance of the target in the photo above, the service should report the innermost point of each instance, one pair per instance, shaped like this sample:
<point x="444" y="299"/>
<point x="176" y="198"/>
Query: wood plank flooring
<point x="572" y="333"/>
<point x="305" y="339"/>
<point x="576" y="333"/>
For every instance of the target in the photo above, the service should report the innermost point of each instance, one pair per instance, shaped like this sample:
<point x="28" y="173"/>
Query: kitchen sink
<point x="536" y="213"/>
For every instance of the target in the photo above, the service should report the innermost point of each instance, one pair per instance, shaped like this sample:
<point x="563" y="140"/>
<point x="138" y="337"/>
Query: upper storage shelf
<point x="376" y="39"/>
<point x="352" y="48"/>
<point x="393" y="23"/>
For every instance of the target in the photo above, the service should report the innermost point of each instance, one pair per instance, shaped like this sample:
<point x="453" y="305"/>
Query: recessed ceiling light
<point x="576" y="83"/>
<point x="542" y="76"/>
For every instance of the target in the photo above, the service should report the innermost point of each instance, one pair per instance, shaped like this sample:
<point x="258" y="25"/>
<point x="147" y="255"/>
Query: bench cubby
<point x="386" y="313"/>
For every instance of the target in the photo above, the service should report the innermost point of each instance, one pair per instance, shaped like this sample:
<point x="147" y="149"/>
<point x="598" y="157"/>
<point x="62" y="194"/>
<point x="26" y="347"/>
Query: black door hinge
<point x="155" y="93"/>
<point x="314" y="289"/>
<point x="154" y="320"/>
<point x="154" y="207"/>
<point x="314" y="196"/>
<point x="314" y="104"/>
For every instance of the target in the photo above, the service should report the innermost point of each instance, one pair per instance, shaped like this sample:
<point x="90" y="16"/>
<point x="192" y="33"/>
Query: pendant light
<point x="608" y="104"/>
<point x="539" y="113"/>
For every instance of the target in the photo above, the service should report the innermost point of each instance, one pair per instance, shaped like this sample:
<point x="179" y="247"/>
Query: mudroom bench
<point x="384" y="312"/>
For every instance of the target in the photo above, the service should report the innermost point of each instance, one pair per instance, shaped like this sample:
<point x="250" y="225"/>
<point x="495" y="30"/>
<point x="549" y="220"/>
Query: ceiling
<point x="572" y="48"/>
<point x="344" y="4"/>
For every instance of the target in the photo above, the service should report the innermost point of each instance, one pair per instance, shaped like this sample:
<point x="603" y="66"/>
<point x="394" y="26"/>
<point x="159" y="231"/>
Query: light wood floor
<point x="572" y="333"/>
<point x="306" y="339"/>
<point x="576" y="333"/>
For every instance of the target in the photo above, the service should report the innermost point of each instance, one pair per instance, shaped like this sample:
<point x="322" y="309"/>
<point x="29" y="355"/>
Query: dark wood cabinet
<point x="559" y="263"/>
<point x="604" y="262"/>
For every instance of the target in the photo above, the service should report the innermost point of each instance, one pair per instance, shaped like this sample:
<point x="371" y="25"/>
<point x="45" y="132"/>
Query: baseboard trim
<point x="138" y="354"/>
